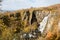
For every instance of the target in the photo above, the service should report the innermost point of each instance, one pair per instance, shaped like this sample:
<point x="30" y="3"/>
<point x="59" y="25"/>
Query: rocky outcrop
<point x="34" y="23"/>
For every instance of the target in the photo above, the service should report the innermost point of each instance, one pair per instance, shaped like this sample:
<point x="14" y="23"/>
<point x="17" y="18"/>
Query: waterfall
<point x="43" y="24"/>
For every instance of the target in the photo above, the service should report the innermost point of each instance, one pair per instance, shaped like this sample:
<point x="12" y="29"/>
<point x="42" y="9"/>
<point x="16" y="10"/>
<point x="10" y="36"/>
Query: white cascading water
<point x="43" y="24"/>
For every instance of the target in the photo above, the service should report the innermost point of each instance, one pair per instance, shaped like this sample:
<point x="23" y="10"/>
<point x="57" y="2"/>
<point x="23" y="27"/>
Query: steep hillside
<point x="31" y="24"/>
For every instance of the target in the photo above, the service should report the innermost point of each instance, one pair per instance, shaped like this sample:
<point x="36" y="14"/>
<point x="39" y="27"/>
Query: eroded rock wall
<point x="34" y="23"/>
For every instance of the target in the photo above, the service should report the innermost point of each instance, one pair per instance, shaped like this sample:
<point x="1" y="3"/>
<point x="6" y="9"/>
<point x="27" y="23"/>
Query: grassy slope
<point x="13" y="24"/>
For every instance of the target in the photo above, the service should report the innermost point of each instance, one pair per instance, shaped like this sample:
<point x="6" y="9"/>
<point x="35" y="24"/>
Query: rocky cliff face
<point x="31" y="24"/>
